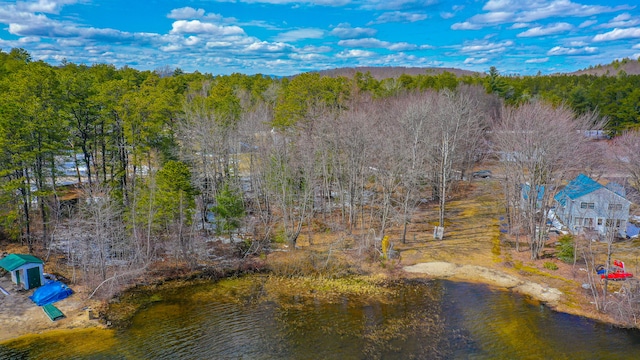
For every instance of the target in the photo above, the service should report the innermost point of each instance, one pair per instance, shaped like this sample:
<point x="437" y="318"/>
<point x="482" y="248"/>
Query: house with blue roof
<point x="586" y="205"/>
<point x="526" y="191"/>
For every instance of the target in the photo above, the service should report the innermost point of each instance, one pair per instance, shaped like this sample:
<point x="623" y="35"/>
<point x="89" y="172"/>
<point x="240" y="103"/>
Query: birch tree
<point x="415" y="126"/>
<point x="456" y="125"/>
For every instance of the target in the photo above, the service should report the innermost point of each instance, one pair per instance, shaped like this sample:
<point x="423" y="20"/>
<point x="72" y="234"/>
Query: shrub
<point x="279" y="236"/>
<point x="565" y="249"/>
<point x="551" y="266"/>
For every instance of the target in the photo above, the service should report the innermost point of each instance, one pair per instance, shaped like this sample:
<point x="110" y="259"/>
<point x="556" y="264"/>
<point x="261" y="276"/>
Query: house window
<point x="619" y="223"/>
<point x="586" y="205"/>
<point x="578" y="221"/>
<point x="599" y="222"/>
<point x="610" y="222"/>
<point x="615" y="206"/>
<point x="588" y="222"/>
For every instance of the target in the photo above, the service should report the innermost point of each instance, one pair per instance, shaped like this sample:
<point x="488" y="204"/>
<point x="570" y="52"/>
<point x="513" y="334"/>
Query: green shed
<point x="26" y="270"/>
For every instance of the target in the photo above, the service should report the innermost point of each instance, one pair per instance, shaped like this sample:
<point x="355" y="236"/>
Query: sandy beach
<point x="473" y="273"/>
<point x="21" y="316"/>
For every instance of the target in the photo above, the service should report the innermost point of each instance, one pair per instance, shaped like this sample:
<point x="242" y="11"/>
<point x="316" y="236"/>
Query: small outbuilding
<point x="26" y="270"/>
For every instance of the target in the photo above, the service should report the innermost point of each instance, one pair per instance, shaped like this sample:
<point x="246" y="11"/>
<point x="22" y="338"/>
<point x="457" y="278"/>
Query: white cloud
<point x="198" y="27"/>
<point x="482" y="20"/>
<point x="587" y="23"/>
<point x="560" y="50"/>
<point x="401" y="59"/>
<point x="191" y="40"/>
<point x="345" y="31"/>
<point x="550" y="29"/>
<point x="213" y="43"/>
<point x="474" y="61"/>
<point x="218" y="44"/>
<point x="618" y="34"/>
<point x="515" y="11"/>
<point x="186" y="13"/>
<point x="497" y="17"/>
<point x="355" y="54"/>
<point x="34" y="39"/>
<point x="43" y="6"/>
<point x="542" y="9"/>
<point x="171" y="48"/>
<point x="537" y="60"/>
<point x="300" y="34"/>
<point x="70" y="42"/>
<point x="307" y="57"/>
<point x="465" y="26"/>
<point x="267" y="47"/>
<point x="375" y="43"/>
<point x="486" y="47"/>
<point x="450" y="14"/>
<point x="622" y="17"/>
<point x="519" y="26"/>
<point x="399" y="17"/>
<point x="397" y="4"/>
<point x="295" y="2"/>
<point x="316" y="49"/>
<point x="621" y="21"/>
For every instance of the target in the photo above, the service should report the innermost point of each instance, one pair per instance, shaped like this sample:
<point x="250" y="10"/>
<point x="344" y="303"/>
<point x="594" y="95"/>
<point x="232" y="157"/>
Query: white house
<point x="586" y="205"/>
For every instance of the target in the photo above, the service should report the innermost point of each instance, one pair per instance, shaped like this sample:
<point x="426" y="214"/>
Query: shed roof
<point x="14" y="261"/>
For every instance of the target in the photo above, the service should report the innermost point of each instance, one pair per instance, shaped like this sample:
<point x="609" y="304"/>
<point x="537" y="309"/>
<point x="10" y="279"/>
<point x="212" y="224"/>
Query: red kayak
<point x="616" y="272"/>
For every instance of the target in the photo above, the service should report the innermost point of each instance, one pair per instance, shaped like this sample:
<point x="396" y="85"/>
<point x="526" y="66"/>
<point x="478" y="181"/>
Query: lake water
<point x="258" y="317"/>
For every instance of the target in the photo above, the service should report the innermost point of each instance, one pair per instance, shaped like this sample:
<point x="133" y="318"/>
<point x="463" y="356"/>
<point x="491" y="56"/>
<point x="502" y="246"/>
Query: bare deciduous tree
<point x="455" y="129"/>
<point x="627" y="152"/>
<point x="539" y="146"/>
<point x="97" y="240"/>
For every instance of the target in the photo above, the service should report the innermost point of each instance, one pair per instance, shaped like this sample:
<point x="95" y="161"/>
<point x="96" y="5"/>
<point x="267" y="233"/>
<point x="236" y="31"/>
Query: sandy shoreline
<point x="472" y="273"/>
<point x="20" y="316"/>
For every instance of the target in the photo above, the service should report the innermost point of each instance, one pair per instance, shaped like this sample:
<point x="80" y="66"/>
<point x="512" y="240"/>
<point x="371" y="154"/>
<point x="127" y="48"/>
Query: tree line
<point x="166" y="160"/>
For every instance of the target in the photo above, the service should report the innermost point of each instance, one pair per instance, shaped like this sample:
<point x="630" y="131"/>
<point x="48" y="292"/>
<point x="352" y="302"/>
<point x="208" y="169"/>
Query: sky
<point x="286" y="37"/>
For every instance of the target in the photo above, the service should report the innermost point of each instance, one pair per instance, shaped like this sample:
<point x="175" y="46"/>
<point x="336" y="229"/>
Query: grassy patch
<point x="54" y="343"/>
<point x="495" y="245"/>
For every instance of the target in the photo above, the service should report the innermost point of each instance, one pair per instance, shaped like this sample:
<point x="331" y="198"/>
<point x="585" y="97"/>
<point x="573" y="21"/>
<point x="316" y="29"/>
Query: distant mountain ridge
<point x="629" y="66"/>
<point x="386" y="72"/>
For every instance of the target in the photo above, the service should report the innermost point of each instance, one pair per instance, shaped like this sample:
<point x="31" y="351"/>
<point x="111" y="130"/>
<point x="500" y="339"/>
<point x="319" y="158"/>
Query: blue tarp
<point x="50" y="293"/>
<point x="632" y="230"/>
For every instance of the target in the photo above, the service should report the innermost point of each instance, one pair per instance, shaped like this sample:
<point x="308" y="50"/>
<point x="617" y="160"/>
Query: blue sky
<point x="284" y="37"/>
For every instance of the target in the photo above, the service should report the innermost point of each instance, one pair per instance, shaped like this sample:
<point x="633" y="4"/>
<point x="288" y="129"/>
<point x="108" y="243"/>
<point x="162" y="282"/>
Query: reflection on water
<point x="261" y="318"/>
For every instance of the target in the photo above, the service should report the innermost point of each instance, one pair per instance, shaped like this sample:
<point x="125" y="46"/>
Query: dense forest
<point x="121" y="167"/>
